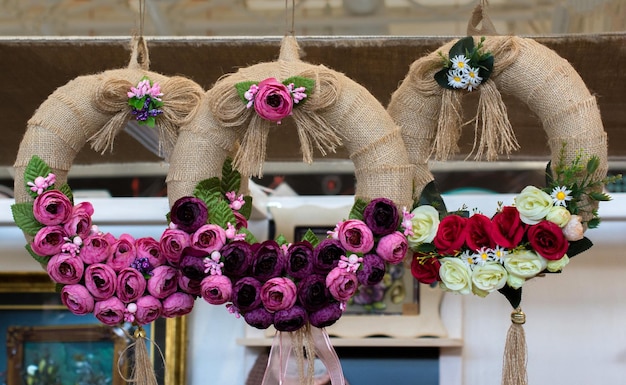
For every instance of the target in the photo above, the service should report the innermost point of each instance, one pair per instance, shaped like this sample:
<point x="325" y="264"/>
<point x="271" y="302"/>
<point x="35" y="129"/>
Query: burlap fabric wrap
<point x="94" y="108"/>
<point x="431" y="116"/>
<point x="338" y="112"/>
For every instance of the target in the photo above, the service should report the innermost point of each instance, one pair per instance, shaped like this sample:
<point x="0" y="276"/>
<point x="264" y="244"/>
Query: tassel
<point x="515" y="355"/>
<point x="142" y="369"/>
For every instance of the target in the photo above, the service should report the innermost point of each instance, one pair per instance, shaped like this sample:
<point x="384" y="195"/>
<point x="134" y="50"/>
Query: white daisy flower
<point x="483" y="255"/>
<point x="499" y="253"/>
<point x="473" y="80"/>
<point x="560" y="196"/>
<point x="468" y="258"/>
<point x="459" y="62"/>
<point x="456" y="79"/>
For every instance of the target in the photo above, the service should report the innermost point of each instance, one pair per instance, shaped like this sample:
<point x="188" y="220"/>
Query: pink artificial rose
<point x="77" y="299"/>
<point x="149" y="248"/>
<point x="131" y="284"/>
<point x="573" y="230"/>
<point x="164" y="281"/>
<point x="393" y="247"/>
<point x="101" y="281"/>
<point x="65" y="268"/>
<point x="123" y="252"/>
<point x="355" y="236"/>
<point x="110" y="311"/>
<point x="95" y="249"/>
<point x="208" y="238"/>
<point x="177" y="305"/>
<point x="173" y="242"/>
<point x="48" y="240"/>
<point x="342" y="284"/>
<point x="52" y="208"/>
<point x="450" y="234"/>
<point x="278" y="294"/>
<point x="273" y="101"/>
<point x="148" y="309"/>
<point x="191" y="286"/>
<point x="79" y="222"/>
<point x="216" y="289"/>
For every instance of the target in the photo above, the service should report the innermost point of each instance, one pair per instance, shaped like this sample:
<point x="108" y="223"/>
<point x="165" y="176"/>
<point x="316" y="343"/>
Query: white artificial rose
<point x="558" y="265"/>
<point x="524" y="263"/>
<point x="425" y="222"/>
<point x="514" y="281"/>
<point x="533" y="205"/>
<point x="455" y="275"/>
<point x="558" y="215"/>
<point x="489" y="277"/>
<point x="573" y="230"/>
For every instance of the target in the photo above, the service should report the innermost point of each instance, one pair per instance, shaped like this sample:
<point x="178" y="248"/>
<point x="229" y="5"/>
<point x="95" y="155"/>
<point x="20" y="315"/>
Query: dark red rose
<point x="450" y="234"/>
<point x="326" y="316"/>
<point x="313" y="293"/>
<point x="269" y="261"/>
<point x="237" y="258"/>
<point x="290" y="320"/>
<point x="246" y="295"/>
<point x="189" y="214"/>
<point x="372" y="271"/>
<point x="327" y="254"/>
<point x="381" y="216"/>
<point x="478" y="232"/>
<point x="299" y="260"/>
<point x="259" y="318"/>
<point x="507" y="228"/>
<point x="547" y="239"/>
<point x="425" y="270"/>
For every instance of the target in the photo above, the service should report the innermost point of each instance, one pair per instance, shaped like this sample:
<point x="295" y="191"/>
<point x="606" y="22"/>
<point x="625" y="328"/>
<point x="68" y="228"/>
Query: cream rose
<point x="533" y="205"/>
<point x="514" y="281"/>
<point x="424" y="225"/>
<point x="524" y="264"/>
<point x="559" y="216"/>
<point x="455" y="275"/>
<point x="574" y="230"/>
<point x="489" y="277"/>
<point x="558" y="265"/>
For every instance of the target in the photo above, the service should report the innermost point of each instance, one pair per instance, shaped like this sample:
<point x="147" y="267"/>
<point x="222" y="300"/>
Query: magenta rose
<point x="547" y="239"/>
<point x="313" y="293"/>
<point x="372" y="270"/>
<point x="478" y="230"/>
<point x="355" y="236"/>
<point x="65" y="269"/>
<point x="177" y="305"/>
<point x="189" y="213"/>
<point x="278" y="294"/>
<point x="77" y="299"/>
<point x="290" y="320"/>
<point x="110" y="311"/>
<point x="164" y="281"/>
<point x="299" y="259"/>
<point x="173" y="243"/>
<point x="79" y="222"/>
<point x="48" y="240"/>
<point x="259" y="318"/>
<point x="131" y="284"/>
<point x="191" y="286"/>
<point x="149" y="248"/>
<point x="425" y="271"/>
<point x="326" y="316"/>
<point x="148" y="309"/>
<point x="273" y="100"/>
<point x="208" y="238"/>
<point x="237" y="258"/>
<point x="101" y="281"/>
<point x="216" y="289"/>
<point x="381" y="216"/>
<point x="326" y="255"/>
<point x="341" y="284"/>
<point x="95" y="249"/>
<point x="450" y="234"/>
<point x="508" y="229"/>
<point x="246" y="294"/>
<point x="392" y="247"/>
<point x="52" y="208"/>
<point x="123" y="252"/>
<point x="269" y="261"/>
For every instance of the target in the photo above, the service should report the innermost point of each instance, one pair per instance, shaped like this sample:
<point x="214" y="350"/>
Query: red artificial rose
<point x="507" y="228"/>
<point x="547" y="239"/>
<point x="450" y="234"/>
<point x="425" y="270"/>
<point x="478" y="231"/>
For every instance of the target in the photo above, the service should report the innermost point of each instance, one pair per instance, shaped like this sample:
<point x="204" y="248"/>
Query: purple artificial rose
<point x="259" y="318"/>
<point x="208" y="238"/>
<point x="191" y="286"/>
<point x="131" y="284"/>
<point x="326" y="316"/>
<point x="148" y="309"/>
<point x="173" y="243"/>
<point x="189" y="213"/>
<point x="216" y="289"/>
<point x="299" y="259"/>
<point x="269" y="261"/>
<point x="355" y="236"/>
<point x="164" y="281"/>
<point x="192" y="267"/>
<point x="148" y="248"/>
<point x="79" y="222"/>
<point x="77" y="299"/>
<point x="237" y="258"/>
<point x="381" y="216"/>
<point x="342" y="284"/>
<point x="278" y="294"/>
<point x="246" y="294"/>
<point x="101" y="281"/>
<point x="327" y="254"/>
<point x="273" y="101"/>
<point x="372" y="271"/>
<point x="290" y="320"/>
<point x="123" y="252"/>
<point x="393" y="247"/>
<point x="177" y="305"/>
<point x="65" y="268"/>
<point x="110" y="311"/>
<point x="52" y="208"/>
<point x="95" y="249"/>
<point x="48" y="240"/>
<point x="313" y="293"/>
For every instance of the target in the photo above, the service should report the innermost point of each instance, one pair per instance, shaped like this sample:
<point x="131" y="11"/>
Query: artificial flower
<point x="313" y="293"/>
<point x="456" y="79"/>
<point x="148" y="247"/>
<point x="237" y="258"/>
<point x="259" y="318"/>
<point x="278" y="293"/>
<point x="123" y="252"/>
<point x="524" y="263"/>
<point x="299" y="257"/>
<point x="189" y="214"/>
<point x="326" y="316"/>
<point x="109" y="311"/>
<point x="290" y="320"/>
<point x="557" y="265"/>
<point x="164" y="281"/>
<point x="49" y="240"/>
<point x="246" y="294"/>
<point x="79" y="222"/>
<point x="455" y="275"/>
<point x="547" y="239"/>
<point x="381" y="216"/>
<point x="392" y="247"/>
<point x="131" y="284"/>
<point x="425" y="222"/>
<point x="192" y="267"/>
<point x="191" y="286"/>
<point x="573" y="230"/>
<point x="355" y="236"/>
<point x="208" y="238"/>
<point x="173" y="243"/>
<point x="459" y="62"/>
<point x="65" y="269"/>
<point x="273" y="100"/>
<point x="342" y="284"/>
<point x="327" y="254"/>
<point x="52" y="207"/>
<point x="95" y="249"/>
<point x="40" y="184"/>
<point x="561" y="195"/>
<point x="269" y="261"/>
<point x="373" y="270"/>
<point x="148" y="309"/>
<point x="559" y="215"/>
<point x="77" y="299"/>
<point x="101" y="281"/>
<point x="508" y="228"/>
<point x="472" y="78"/>
<point x="450" y="234"/>
<point x="489" y="277"/>
<point x="478" y="232"/>
<point x="533" y="205"/>
<point x="177" y="305"/>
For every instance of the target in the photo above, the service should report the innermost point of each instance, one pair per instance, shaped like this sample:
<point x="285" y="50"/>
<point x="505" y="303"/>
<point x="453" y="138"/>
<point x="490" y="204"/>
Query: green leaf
<point x="577" y="247"/>
<point x="549" y="176"/>
<point x="43" y="260"/>
<point x="36" y="167"/>
<point x="231" y="178"/>
<point x="593" y="223"/>
<point x="25" y="219"/>
<point x="357" y="209"/>
<point x="58" y="287"/>
<point x="168" y="218"/>
<point x="464" y="47"/>
<point x="281" y="240"/>
<point x="208" y="190"/>
<point x="441" y="78"/>
<point x="220" y="213"/>
<point x="136" y="103"/>
<point x="310" y="237"/>
<point x="592" y="164"/>
<point x="250" y="238"/>
<point x="246" y="209"/>
<point x="485" y="68"/>
<point x="426" y="248"/>
<point x="67" y="191"/>
<point x="599" y="196"/>
<point x="242" y="88"/>
<point x="431" y="196"/>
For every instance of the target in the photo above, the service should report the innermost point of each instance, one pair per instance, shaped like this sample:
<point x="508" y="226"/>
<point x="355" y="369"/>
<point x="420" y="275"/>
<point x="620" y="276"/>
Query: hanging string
<point x="142" y="372"/>
<point x="142" y="15"/>
<point x="291" y="30"/>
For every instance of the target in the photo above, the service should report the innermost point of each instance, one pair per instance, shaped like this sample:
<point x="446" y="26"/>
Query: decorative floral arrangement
<point x="466" y="66"/>
<point x="145" y="101"/>
<point x="273" y="100"/>
<point x="538" y="234"/>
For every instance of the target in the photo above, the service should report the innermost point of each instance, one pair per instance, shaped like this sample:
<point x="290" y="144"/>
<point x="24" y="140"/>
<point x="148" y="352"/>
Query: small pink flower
<point x="231" y="233"/>
<point x="208" y="238"/>
<point x="236" y="202"/>
<point x="40" y="184"/>
<point x="351" y="263"/>
<point x="355" y="236"/>
<point x="216" y="289"/>
<point x="342" y="284"/>
<point x="407" y="224"/>
<point x="213" y="265"/>
<point x="278" y="294"/>
<point x="52" y="207"/>
<point x="393" y="247"/>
